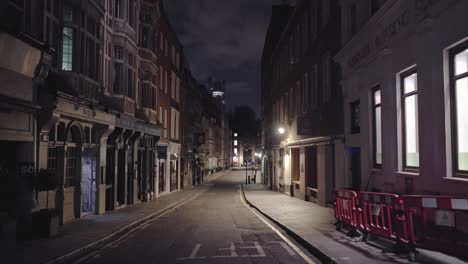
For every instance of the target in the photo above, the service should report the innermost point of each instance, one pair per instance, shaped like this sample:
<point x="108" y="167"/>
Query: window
<point x="144" y="36"/>
<point x="409" y="102"/>
<point x="130" y="83"/>
<point x="314" y="94"/>
<point x="118" y="8"/>
<point x="118" y="77"/>
<point x="67" y="49"/>
<point x="71" y="167"/>
<point x="165" y="123"/>
<point x="67" y="14"/>
<point x="52" y="158"/>
<point x="119" y="51"/>
<point x="131" y="21"/>
<point x="326" y="77"/>
<point x="325" y="12"/>
<point x="377" y="116"/>
<point x="160" y="115"/>
<point x="177" y="126"/>
<point x="352" y="21"/>
<point x="305" y="92"/>
<point x="459" y="97"/>
<point x="235" y="142"/>
<point x="355" y="117"/>
<point x="235" y="151"/>
<point x="375" y="5"/>
<point x="235" y="134"/>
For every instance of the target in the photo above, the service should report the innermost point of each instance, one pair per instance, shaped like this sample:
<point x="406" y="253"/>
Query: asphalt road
<point x="214" y="227"/>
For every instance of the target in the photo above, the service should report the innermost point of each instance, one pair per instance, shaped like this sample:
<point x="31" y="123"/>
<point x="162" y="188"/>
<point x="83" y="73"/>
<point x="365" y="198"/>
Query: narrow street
<point x="215" y="227"/>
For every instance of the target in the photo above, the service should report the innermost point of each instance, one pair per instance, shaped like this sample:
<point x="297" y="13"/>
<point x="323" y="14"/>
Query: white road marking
<point x="297" y="249"/>
<point x="232" y="250"/>
<point x="193" y="255"/>
<point x="132" y="232"/>
<point x="261" y="252"/>
<point x="285" y="246"/>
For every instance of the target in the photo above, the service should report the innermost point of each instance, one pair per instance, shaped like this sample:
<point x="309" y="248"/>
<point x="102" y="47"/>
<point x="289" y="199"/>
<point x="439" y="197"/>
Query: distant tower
<point x="217" y="88"/>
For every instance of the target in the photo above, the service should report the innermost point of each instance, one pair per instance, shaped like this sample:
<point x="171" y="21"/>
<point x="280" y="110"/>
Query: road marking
<point x="132" y="232"/>
<point x="293" y="246"/>
<point x="285" y="246"/>
<point x="232" y="249"/>
<point x="193" y="255"/>
<point x="261" y="252"/>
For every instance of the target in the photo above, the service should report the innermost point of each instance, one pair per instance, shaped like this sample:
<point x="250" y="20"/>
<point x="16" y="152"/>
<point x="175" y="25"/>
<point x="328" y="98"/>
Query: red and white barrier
<point x="345" y="208"/>
<point x="438" y="223"/>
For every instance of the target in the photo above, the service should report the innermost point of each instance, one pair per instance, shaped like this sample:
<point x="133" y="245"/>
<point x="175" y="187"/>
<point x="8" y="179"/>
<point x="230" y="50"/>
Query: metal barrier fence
<point x="438" y="223"/>
<point x="415" y="221"/>
<point x="345" y="208"/>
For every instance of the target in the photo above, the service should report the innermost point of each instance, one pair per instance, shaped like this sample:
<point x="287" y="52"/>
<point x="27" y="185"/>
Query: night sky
<point x="224" y="39"/>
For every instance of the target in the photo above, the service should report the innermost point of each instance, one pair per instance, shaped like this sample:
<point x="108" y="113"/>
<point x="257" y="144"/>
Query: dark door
<point x="162" y="183"/>
<point x="110" y="182"/>
<point x="311" y="167"/>
<point x="174" y="171"/>
<point x="356" y="168"/>
<point x="130" y="176"/>
<point x="121" y="177"/>
<point x="182" y="172"/>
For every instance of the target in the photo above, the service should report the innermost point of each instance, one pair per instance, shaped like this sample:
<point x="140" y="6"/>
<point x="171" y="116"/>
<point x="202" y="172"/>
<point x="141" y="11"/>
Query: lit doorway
<point x="88" y="182"/>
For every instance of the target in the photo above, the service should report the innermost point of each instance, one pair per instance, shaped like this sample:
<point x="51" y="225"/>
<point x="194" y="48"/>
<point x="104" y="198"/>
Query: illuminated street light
<point x="281" y="130"/>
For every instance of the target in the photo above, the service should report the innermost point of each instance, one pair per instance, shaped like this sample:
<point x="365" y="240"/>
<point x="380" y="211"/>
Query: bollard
<point x="249" y="179"/>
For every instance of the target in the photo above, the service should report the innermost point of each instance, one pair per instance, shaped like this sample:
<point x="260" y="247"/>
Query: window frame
<point x="374" y="127"/>
<point x="453" y="107"/>
<point x="403" y="96"/>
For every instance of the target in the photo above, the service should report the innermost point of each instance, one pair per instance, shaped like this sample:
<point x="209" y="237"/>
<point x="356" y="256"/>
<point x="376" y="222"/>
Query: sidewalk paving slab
<point x="82" y="232"/>
<point x="313" y="225"/>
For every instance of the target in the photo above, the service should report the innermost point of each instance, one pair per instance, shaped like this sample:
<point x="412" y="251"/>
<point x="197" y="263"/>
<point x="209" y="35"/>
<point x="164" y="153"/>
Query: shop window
<point x="409" y="104"/>
<point x="459" y="99"/>
<point x="377" y="126"/>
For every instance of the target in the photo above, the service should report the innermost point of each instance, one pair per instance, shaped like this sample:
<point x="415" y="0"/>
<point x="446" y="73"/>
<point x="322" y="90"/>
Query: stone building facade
<point x="404" y="82"/>
<point x="302" y="100"/>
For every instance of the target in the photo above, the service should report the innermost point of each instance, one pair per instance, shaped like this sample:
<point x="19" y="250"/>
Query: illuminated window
<point x="235" y="151"/>
<point x="235" y="142"/>
<point x="409" y="100"/>
<point x="67" y="49"/>
<point x="459" y="84"/>
<point x="235" y="134"/>
<point x="377" y="130"/>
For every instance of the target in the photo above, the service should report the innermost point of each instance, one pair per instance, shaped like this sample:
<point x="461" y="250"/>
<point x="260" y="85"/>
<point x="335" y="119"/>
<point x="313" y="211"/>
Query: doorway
<point x="162" y="182"/>
<point x="121" y="181"/>
<point x="130" y="176"/>
<point x="355" y="156"/>
<point x="88" y="182"/>
<point x="110" y="181"/>
<point x="174" y="174"/>
<point x="311" y="168"/>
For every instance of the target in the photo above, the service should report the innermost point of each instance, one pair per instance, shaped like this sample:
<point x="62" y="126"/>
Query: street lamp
<point x="281" y="130"/>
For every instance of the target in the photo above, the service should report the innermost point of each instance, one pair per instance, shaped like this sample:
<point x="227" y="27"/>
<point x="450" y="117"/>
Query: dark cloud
<point x="224" y="39"/>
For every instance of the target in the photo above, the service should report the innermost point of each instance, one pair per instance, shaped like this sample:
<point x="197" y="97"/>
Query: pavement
<point x="313" y="226"/>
